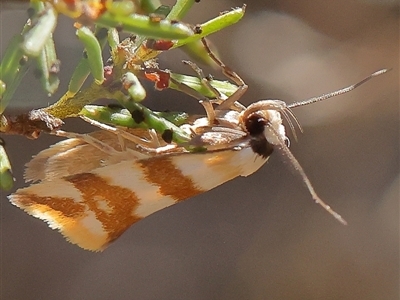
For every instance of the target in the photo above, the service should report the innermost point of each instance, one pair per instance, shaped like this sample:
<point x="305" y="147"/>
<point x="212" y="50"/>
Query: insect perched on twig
<point x="92" y="187"/>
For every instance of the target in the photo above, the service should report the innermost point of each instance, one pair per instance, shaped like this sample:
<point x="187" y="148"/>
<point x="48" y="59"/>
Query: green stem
<point x="180" y="9"/>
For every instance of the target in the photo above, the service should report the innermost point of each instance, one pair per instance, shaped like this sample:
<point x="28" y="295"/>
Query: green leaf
<point x="93" y="53"/>
<point x="214" y="25"/>
<point x="36" y="37"/>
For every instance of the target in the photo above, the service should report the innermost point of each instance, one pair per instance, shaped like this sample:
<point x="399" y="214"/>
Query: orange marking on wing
<point x="121" y="202"/>
<point x="170" y="180"/>
<point x="62" y="206"/>
<point x="61" y="213"/>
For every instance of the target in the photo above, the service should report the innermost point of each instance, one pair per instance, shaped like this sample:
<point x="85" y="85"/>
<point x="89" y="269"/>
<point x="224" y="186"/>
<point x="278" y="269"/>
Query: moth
<point x="93" y="187"/>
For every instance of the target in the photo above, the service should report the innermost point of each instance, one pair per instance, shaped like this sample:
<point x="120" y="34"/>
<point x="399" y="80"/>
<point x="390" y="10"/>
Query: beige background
<point x="259" y="237"/>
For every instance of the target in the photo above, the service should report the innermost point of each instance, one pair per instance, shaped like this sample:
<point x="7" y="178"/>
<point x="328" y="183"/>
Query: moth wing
<point x="91" y="209"/>
<point x="74" y="156"/>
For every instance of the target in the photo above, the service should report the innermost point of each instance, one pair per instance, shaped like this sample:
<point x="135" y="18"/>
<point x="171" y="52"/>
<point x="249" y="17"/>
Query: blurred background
<point x="260" y="237"/>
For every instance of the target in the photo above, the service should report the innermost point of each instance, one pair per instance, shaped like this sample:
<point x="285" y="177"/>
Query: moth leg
<point x="231" y="102"/>
<point x="121" y="142"/>
<point x="145" y="143"/>
<point x="193" y="93"/>
<point x="203" y="100"/>
<point x="204" y="80"/>
<point x="88" y="139"/>
<point x="208" y="107"/>
<point x="207" y="103"/>
<point x="188" y="90"/>
<point x="154" y="138"/>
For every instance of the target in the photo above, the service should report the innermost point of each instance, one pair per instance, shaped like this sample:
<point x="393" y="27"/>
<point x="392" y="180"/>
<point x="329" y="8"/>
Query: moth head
<point x="262" y="120"/>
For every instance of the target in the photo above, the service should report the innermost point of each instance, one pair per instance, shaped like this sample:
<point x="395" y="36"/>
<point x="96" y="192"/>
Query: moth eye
<point x="255" y="124"/>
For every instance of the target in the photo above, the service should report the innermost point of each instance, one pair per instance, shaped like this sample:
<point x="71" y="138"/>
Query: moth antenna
<point x="337" y="92"/>
<point x="296" y="165"/>
<point x="277" y="105"/>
